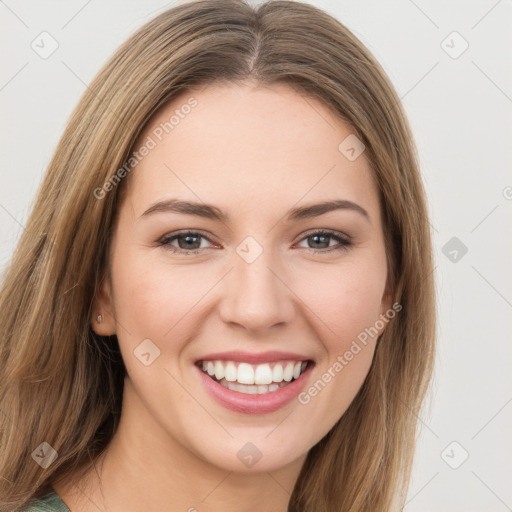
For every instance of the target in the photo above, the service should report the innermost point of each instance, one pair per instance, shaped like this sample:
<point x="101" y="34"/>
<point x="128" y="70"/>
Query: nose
<point x="256" y="296"/>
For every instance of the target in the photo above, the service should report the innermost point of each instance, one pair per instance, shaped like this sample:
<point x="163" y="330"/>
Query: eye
<point x="320" y="241"/>
<point x="191" y="242"/>
<point x="188" y="242"/>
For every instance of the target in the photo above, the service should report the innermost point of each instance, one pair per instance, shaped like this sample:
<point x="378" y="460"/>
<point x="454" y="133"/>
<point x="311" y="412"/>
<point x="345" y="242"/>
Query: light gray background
<point x="460" y="111"/>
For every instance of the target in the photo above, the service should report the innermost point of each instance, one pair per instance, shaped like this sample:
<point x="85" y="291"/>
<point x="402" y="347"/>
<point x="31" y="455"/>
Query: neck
<point x="144" y="468"/>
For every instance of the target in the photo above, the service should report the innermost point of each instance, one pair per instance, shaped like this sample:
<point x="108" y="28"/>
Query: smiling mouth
<point x="254" y="379"/>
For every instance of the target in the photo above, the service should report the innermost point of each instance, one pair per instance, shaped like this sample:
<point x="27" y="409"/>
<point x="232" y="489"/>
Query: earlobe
<point x="103" y="321"/>
<point x="103" y="325"/>
<point x="387" y="298"/>
<point x="386" y="306"/>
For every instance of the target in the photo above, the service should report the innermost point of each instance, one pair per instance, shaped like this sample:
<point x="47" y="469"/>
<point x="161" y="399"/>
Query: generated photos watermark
<point x="150" y="143"/>
<point x="344" y="359"/>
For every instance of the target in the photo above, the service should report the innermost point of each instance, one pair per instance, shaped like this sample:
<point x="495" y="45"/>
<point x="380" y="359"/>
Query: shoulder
<point x="51" y="502"/>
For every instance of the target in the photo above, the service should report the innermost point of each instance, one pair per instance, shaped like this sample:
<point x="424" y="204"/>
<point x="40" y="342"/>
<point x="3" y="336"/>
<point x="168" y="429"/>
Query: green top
<point x="51" y="502"/>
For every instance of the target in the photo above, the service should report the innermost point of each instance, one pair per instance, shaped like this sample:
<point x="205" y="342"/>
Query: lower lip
<point x="255" y="404"/>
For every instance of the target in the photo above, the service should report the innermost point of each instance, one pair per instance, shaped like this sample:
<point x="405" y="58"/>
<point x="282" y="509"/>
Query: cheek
<point x="344" y="304"/>
<point x="345" y="299"/>
<point x="155" y="301"/>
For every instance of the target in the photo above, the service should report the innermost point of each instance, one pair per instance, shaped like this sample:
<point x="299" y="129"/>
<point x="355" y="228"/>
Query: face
<point x="227" y="279"/>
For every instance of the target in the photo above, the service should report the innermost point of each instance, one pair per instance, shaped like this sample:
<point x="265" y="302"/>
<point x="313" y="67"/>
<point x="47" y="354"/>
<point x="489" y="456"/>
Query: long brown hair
<point x="62" y="384"/>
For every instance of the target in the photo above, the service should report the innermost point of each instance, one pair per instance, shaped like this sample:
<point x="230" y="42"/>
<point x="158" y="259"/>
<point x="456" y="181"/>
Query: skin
<point x="255" y="152"/>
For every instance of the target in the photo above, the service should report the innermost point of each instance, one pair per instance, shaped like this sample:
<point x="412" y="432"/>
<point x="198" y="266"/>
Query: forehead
<point x="248" y="145"/>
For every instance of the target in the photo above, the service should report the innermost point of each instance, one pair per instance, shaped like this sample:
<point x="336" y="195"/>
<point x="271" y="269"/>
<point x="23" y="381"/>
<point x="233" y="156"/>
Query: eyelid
<point x="325" y="231"/>
<point x="344" y="240"/>
<point x="165" y="240"/>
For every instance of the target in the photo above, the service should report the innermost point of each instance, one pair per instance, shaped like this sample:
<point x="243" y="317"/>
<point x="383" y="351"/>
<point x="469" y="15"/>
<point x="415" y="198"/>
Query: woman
<point x="223" y="298"/>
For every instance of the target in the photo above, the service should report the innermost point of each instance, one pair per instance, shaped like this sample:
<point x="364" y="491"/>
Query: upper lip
<point x="254" y="358"/>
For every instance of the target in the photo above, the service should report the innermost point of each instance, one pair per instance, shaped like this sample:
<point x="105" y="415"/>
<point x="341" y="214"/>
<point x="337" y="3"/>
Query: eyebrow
<point x="212" y="212"/>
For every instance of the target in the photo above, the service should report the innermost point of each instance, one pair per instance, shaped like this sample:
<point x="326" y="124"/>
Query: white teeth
<point x="219" y="370"/>
<point x="263" y="374"/>
<point x="252" y="390"/>
<point x="245" y="374"/>
<point x="230" y="373"/>
<point x="288" y="372"/>
<point x="277" y="373"/>
<point x="296" y="370"/>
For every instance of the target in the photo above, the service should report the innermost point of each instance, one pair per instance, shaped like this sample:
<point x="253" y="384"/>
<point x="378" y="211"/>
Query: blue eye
<point x="190" y="242"/>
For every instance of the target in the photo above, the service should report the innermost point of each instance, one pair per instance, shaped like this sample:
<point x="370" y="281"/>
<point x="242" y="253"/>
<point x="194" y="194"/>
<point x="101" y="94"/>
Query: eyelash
<point x="344" y="242"/>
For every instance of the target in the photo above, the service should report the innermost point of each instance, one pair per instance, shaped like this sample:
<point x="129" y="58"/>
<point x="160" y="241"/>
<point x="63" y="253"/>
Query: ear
<point x="387" y="300"/>
<point x="385" y="307"/>
<point x="103" y="319"/>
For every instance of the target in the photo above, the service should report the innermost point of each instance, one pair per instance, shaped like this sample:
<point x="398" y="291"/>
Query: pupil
<point x="189" y="243"/>
<point x="188" y="240"/>
<point x="324" y="243"/>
